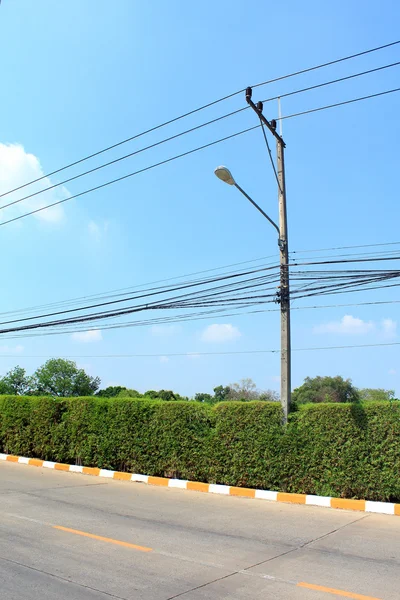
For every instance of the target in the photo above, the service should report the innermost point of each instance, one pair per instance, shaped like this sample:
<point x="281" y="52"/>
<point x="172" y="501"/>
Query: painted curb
<point x="386" y="508"/>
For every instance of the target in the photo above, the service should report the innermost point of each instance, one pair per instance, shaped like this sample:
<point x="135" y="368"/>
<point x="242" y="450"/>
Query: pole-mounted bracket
<point x="258" y="108"/>
<point x="281" y="244"/>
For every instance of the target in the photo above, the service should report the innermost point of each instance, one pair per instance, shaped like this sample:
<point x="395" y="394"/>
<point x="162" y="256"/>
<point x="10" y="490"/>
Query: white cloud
<point x="392" y="371"/>
<point x="17" y="167"/>
<point x="97" y="230"/>
<point x="348" y="325"/>
<point x="220" y="332"/>
<point x="164" y="359"/>
<point x="11" y="349"/>
<point x="94" y="230"/>
<point x="163" y="330"/>
<point x="94" y="335"/>
<point x="389" y="328"/>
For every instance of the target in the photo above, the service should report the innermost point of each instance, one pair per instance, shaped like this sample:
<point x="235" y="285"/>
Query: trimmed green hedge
<point x="327" y="449"/>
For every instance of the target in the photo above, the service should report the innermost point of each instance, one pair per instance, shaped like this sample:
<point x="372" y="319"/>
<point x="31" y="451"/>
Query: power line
<point x="346" y="247"/>
<point x="327" y="64"/>
<point x="130" y="139"/>
<point x="157" y="291"/>
<point x="350" y="304"/>
<point x="311" y="276"/>
<point x="270" y="155"/>
<point x="332" y="81"/>
<point x="383" y="254"/>
<point x="129" y="289"/>
<point x="175" y="318"/>
<point x="192" y="129"/>
<point x="206" y="299"/>
<point x="114" y="293"/>
<point x="226" y="294"/>
<point x="107" y="183"/>
<point x="195" y="354"/>
<point x="344" y="347"/>
<point x="184" y="318"/>
<point x="333" y="262"/>
<point x="312" y="110"/>
<point x="196" y="110"/>
<point x="116" y="160"/>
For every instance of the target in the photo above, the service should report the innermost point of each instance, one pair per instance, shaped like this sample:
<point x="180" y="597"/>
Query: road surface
<point x="65" y="535"/>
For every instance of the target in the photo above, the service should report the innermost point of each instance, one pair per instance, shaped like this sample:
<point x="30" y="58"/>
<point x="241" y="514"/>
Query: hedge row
<point x="327" y="449"/>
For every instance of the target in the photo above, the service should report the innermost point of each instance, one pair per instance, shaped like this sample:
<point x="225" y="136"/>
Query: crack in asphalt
<point x="60" y="487"/>
<point x="305" y="544"/>
<point x="60" y="578"/>
<point x="246" y="570"/>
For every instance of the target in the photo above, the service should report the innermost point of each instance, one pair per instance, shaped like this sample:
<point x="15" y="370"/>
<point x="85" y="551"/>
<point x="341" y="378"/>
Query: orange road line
<point x="103" y="539"/>
<point x="322" y="588"/>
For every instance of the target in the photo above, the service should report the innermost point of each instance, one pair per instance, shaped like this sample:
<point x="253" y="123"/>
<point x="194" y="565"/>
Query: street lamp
<point x="224" y="174"/>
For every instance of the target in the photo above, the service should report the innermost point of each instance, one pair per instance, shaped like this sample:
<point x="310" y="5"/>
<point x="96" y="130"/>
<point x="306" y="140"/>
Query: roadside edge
<point x="387" y="508"/>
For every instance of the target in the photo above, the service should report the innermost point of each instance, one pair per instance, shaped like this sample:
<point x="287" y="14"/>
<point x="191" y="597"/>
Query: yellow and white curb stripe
<point x="386" y="508"/>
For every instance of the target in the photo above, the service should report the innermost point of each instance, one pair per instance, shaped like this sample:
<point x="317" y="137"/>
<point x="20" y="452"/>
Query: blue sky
<point x="79" y="76"/>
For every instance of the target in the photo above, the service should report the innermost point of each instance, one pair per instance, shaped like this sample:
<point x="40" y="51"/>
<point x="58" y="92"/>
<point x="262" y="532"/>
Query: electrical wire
<point x="313" y="110"/>
<point x="150" y="293"/>
<point x="115" y="293"/>
<point x="333" y="262"/>
<point x="332" y="81"/>
<point x="356" y="255"/>
<point x="107" y="183"/>
<point x="116" y="160"/>
<point x="217" y="296"/>
<point x="327" y="64"/>
<point x="192" y="129"/>
<point x="270" y="155"/>
<point x="196" y="110"/>
<point x="76" y="302"/>
<point x="346" y="247"/>
<point x="196" y="354"/>
<point x="130" y="139"/>
<point x="185" y="318"/>
<point x="351" y="304"/>
<point x="226" y="293"/>
<point x="130" y="289"/>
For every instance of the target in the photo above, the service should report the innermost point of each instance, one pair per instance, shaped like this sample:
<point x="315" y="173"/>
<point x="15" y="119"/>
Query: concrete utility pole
<point x="286" y="367"/>
<point x="284" y="292"/>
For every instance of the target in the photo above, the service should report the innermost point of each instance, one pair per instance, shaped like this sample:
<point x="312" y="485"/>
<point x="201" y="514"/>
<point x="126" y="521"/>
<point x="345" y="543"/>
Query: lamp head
<point x="225" y="175"/>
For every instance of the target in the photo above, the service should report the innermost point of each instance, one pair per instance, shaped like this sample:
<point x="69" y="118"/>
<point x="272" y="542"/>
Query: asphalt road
<point x="65" y="535"/>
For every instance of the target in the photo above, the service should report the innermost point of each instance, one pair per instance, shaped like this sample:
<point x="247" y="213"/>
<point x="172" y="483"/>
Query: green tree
<point x="129" y="393"/>
<point x="269" y="396"/>
<point x="246" y="389"/>
<point x="15" y="382"/>
<point x="111" y="391"/>
<point x="221" y="393"/>
<point x="377" y="395"/>
<point x="60" y="377"/>
<point x="325" y="389"/>
<point x="166" y="395"/>
<point x="151" y="394"/>
<point x="202" y="397"/>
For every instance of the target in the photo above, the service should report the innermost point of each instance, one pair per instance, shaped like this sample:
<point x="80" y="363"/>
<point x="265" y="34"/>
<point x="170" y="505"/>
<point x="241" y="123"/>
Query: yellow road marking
<point x="322" y="588"/>
<point x="103" y="539"/>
